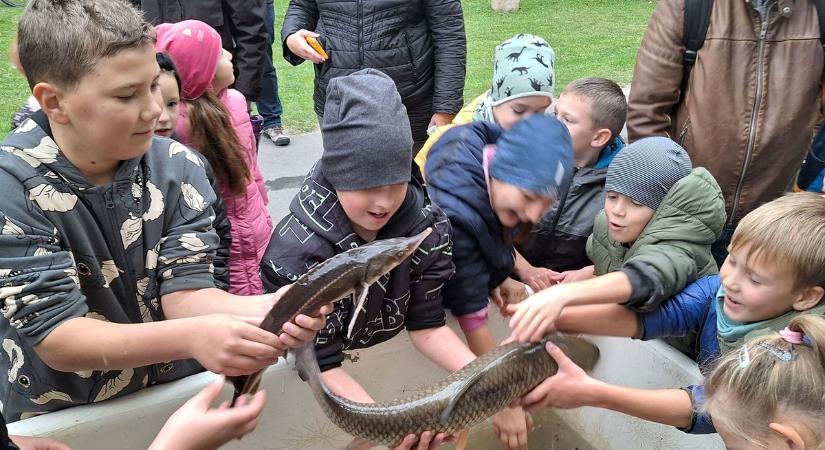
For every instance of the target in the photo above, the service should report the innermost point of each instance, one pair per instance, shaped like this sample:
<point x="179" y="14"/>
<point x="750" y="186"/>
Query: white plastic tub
<point x="292" y="420"/>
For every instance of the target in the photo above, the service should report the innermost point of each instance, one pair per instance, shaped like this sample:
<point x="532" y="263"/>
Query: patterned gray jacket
<point x="71" y="249"/>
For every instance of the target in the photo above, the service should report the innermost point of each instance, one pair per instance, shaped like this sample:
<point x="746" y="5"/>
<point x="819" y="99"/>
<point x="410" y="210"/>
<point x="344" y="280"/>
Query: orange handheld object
<point x="317" y="46"/>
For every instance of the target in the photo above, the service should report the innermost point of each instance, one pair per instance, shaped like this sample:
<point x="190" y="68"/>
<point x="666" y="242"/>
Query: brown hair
<point x="60" y="41"/>
<point x="608" y="105"/>
<point x="748" y="389"/>
<point x="214" y="136"/>
<point x="790" y="232"/>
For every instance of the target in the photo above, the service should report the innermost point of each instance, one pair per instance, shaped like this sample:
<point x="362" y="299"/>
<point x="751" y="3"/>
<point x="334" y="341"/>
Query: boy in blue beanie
<point x="494" y="185"/>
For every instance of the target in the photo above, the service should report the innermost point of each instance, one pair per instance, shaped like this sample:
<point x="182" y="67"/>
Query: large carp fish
<point x="463" y="399"/>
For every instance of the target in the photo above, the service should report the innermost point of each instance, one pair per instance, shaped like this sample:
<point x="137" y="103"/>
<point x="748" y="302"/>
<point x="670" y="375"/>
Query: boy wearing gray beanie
<point x="360" y="191"/>
<point x="652" y="239"/>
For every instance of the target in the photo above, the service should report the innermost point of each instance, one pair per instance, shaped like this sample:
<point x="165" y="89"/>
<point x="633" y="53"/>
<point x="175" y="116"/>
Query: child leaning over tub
<point x="214" y="120"/>
<point x="651" y="240"/>
<point x="593" y="110"/>
<point x="169" y="89"/>
<point x="524" y="77"/>
<point x="107" y="242"/>
<point x="494" y="186"/>
<point x="775" y="272"/>
<point x="771" y="392"/>
<point x="358" y="192"/>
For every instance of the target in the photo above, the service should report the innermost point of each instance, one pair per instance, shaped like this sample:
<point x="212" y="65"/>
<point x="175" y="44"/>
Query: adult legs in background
<point x="269" y="104"/>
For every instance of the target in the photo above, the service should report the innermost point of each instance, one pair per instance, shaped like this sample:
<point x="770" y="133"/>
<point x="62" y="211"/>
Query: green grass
<point x="590" y="37"/>
<point x="13" y="87"/>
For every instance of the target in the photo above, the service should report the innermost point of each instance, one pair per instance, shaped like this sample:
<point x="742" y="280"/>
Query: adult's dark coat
<point x="420" y="44"/>
<point x="241" y="26"/>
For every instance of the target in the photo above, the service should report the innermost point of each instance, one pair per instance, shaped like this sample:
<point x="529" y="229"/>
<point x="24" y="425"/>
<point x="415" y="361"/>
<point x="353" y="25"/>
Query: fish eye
<point x="400" y="253"/>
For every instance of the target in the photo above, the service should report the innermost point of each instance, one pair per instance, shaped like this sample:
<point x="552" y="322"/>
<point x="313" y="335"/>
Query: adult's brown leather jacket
<point x="752" y="99"/>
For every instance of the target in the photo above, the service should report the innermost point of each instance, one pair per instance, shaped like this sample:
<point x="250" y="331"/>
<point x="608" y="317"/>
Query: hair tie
<point x="795" y="337"/>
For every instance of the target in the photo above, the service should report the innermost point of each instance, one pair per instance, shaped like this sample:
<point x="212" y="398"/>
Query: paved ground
<point x="284" y="168"/>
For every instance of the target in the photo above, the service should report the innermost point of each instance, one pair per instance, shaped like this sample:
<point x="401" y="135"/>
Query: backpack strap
<point x="696" y="21"/>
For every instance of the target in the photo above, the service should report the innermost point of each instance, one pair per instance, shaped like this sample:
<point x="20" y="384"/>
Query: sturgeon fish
<point x="465" y="398"/>
<point x="349" y="272"/>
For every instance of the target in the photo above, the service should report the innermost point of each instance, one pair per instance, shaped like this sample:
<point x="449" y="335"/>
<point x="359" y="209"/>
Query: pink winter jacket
<point x="248" y="213"/>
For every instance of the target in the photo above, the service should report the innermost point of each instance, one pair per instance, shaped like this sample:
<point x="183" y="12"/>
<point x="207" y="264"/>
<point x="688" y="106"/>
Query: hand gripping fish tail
<point x="345" y="274"/>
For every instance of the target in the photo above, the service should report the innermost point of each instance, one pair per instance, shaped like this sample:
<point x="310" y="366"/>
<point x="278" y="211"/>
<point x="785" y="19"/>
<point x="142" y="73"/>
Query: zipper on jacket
<point x="126" y="275"/>
<point x="760" y="56"/>
<point x="360" y="35"/>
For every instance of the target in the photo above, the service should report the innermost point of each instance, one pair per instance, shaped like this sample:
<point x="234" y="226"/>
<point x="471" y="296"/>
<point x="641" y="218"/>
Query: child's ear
<point x="601" y="138"/>
<point x="810" y="297"/>
<point x="50" y="98"/>
<point x="789" y="436"/>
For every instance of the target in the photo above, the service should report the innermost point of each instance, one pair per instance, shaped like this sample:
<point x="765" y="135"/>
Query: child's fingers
<point x="519" y="312"/>
<point x="310" y="323"/>
<point x="545" y="327"/>
<point x="208" y="394"/>
<point x="561" y="359"/>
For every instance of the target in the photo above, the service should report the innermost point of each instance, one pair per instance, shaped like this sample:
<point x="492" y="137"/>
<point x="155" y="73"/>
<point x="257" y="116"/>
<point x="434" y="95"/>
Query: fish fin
<point x="462" y="388"/>
<point x="461" y="439"/>
<point x="361" y="297"/>
<point x="444" y="418"/>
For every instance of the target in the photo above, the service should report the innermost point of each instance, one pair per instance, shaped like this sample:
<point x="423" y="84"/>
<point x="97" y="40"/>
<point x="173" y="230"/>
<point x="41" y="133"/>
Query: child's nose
<point x="152" y="110"/>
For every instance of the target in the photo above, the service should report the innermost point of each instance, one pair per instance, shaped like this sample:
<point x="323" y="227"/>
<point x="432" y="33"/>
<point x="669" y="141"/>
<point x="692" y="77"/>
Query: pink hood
<point x="195" y="48"/>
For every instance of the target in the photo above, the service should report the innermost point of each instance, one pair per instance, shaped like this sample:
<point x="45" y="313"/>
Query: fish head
<point x="582" y="352"/>
<point x="382" y="256"/>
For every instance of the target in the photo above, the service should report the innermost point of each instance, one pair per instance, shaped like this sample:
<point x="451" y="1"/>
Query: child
<point x="775" y="271"/>
<point x="356" y="194"/>
<point x="169" y="87"/>
<point x="107" y="241"/>
<point x="652" y="239"/>
<point x="215" y="122"/>
<point x="493" y="187"/>
<point x="523" y="80"/>
<point x="771" y="393"/>
<point x="593" y="110"/>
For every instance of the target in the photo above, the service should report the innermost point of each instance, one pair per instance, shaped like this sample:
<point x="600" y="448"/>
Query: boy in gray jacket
<point x="106" y="238"/>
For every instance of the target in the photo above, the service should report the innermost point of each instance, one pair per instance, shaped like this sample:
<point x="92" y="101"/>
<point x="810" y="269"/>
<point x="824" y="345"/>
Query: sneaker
<point x="276" y="135"/>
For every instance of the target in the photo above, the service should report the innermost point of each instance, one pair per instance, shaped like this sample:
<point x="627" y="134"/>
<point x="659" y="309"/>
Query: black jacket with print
<point x="317" y="228"/>
<point x="71" y="249"/>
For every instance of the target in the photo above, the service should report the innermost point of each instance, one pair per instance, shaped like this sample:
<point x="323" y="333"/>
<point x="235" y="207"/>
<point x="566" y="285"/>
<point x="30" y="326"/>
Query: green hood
<point x="675" y="244"/>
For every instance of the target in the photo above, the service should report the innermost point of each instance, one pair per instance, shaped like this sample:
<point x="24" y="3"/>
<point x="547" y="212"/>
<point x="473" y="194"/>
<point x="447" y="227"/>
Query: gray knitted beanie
<point x="646" y="170"/>
<point x="366" y="133"/>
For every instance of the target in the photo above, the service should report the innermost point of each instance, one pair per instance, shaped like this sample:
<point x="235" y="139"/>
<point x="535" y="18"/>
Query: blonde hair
<point x="789" y="232"/>
<point x="750" y="388"/>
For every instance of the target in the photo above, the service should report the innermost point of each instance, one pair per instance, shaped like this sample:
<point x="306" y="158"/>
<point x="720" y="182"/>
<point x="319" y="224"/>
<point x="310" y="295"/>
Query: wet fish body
<point x="463" y="399"/>
<point x="352" y="271"/>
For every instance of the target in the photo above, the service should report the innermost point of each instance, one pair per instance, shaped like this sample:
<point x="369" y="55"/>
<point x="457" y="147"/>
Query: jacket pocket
<point x="410" y="54"/>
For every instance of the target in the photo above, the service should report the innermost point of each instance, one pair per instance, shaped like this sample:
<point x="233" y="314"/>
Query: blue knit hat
<point x="536" y="155"/>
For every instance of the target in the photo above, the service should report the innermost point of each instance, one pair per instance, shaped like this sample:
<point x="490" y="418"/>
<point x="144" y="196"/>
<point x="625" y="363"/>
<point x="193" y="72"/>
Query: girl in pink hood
<point x="214" y="120"/>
